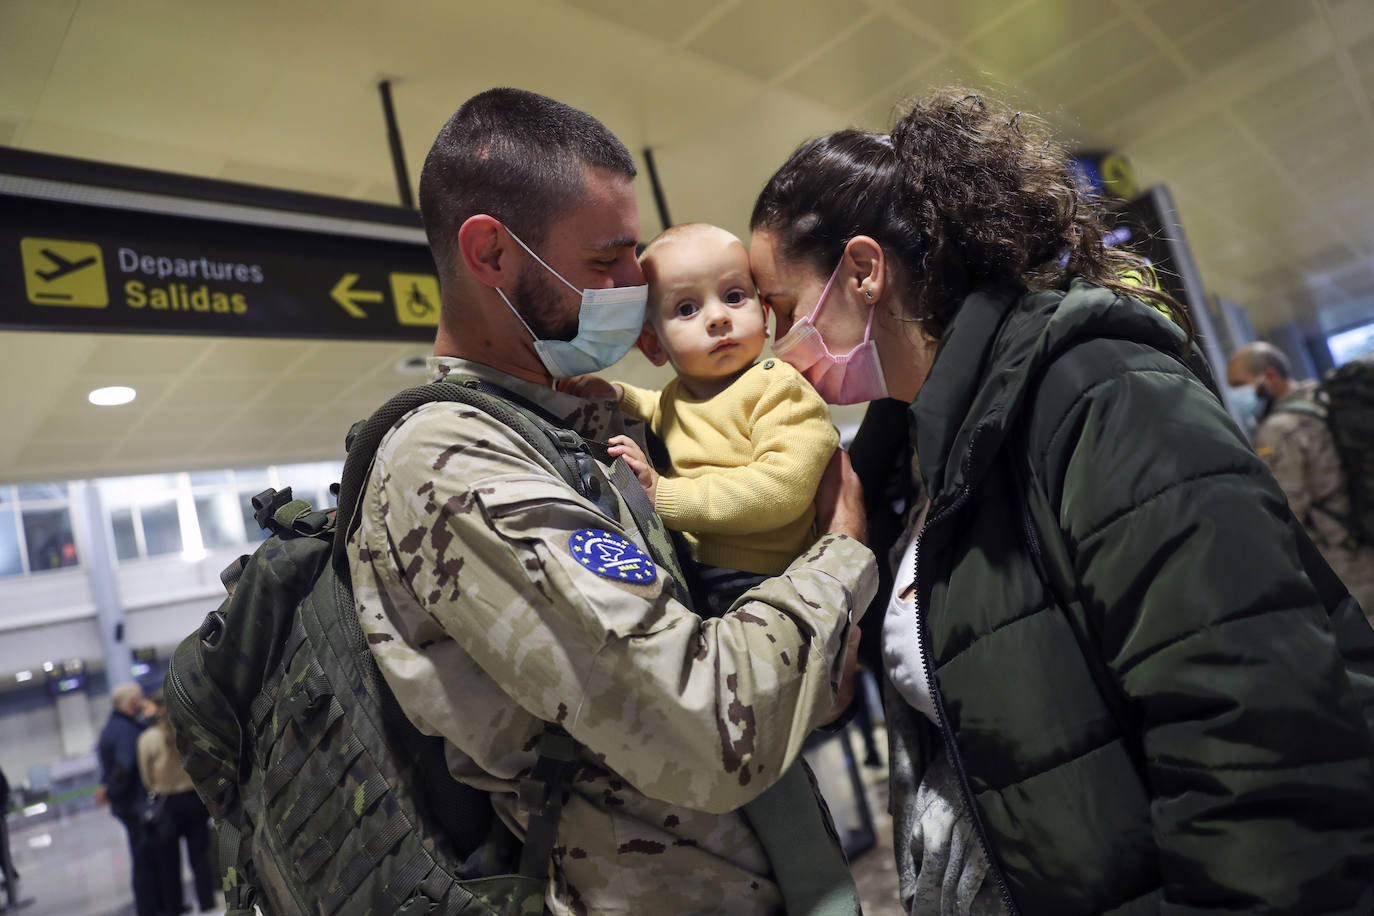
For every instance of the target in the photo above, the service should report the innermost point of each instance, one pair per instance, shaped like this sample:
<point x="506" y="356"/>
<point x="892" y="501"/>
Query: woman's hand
<point x="593" y="387"/>
<point x="625" y="447"/>
<point x="840" y="500"/>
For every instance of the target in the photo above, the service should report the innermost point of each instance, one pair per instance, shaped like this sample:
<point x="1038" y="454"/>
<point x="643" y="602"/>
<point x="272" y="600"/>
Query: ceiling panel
<point x="666" y="20"/>
<point x="958" y="21"/>
<point x="866" y="61"/>
<point x="31" y="36"/>
<point x="1237" y="26"/>
<point x="1035" y="31"/>
<point x="766" y="37"/>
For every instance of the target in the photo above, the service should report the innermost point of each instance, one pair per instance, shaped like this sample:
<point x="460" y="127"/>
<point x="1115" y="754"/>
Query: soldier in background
<point x="1293" y="439"/>
<point x="495" y="598"/>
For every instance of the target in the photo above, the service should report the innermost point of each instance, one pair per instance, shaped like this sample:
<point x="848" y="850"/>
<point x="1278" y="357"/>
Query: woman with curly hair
<point x="1120" y="678"/>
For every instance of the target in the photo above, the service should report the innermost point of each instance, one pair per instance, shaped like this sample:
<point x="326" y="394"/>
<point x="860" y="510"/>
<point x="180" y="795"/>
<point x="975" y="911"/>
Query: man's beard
<point x="543" y="306"/>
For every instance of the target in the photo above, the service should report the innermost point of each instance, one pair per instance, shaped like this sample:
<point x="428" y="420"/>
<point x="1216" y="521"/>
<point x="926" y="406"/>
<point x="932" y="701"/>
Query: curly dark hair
<point x="966" y="194"/>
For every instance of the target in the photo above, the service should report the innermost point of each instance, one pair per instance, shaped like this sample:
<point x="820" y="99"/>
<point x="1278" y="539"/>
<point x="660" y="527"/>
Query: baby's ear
<point x="650" y="346"/>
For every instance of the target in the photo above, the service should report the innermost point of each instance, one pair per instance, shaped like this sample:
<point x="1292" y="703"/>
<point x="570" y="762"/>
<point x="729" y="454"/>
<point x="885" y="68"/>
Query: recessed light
<point x="112" y="396"/>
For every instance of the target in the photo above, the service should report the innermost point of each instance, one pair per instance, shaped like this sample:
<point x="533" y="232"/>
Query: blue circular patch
<point x="611" y="556"/>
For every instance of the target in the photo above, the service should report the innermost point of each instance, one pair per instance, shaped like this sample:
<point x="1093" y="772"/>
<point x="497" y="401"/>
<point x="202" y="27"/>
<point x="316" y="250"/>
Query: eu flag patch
<point x="612" y="556"/>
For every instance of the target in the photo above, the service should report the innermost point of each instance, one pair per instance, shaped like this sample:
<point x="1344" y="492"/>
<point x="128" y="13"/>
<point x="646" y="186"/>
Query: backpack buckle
<point x="415" y="906"/>
<point x="302" y="702"/>
<point x="266" y="503"/>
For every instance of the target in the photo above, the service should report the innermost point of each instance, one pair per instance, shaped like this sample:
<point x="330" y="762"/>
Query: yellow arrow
<point x="344" y="294"/>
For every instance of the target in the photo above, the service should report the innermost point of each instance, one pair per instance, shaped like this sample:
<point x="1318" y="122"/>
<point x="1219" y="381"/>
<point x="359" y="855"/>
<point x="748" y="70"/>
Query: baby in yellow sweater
<point x="748" y="441"/>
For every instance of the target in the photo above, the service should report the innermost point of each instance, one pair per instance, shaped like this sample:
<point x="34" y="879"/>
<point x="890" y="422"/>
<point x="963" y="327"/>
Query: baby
<point x="748" y="441"/>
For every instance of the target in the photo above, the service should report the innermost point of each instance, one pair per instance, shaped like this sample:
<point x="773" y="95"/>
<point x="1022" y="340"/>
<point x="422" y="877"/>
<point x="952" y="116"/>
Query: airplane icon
<point x="61" y="266"/>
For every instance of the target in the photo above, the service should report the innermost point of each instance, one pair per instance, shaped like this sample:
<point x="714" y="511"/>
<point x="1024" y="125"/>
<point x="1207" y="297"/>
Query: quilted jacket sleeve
<point x="1210" y="616"/>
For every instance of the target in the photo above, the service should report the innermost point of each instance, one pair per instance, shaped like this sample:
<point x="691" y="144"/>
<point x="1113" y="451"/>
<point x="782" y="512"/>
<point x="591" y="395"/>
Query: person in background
<point x="6" y="860"/>
<point x="122" y="788"/>
<point x="183" y="815"/>
<point x="1293" y="439"/>
<point x="1122" y="678"/>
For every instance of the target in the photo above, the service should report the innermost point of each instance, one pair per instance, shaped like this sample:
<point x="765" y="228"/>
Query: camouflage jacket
<point x="485" y="624"/>
<point x="1295" y="443"/>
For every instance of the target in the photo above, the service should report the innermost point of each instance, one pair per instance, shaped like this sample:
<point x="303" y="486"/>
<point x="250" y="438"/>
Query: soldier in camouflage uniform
<point x="489" y="613"/>
<point x="1293" y="439"/>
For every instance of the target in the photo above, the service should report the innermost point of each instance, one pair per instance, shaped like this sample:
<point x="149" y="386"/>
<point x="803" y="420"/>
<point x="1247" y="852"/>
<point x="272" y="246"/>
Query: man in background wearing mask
<point x="495" y="598"/>
<point x="1293" y="439"/>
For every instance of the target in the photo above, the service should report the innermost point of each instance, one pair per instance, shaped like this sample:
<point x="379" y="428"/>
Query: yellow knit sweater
<point x="746" y="464"/>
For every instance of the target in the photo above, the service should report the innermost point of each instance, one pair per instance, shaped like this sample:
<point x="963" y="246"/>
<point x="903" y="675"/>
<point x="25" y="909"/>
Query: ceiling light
<point x="23" y="676"/>
<point x="47" y="666"/>
<point x="112" y="396"/>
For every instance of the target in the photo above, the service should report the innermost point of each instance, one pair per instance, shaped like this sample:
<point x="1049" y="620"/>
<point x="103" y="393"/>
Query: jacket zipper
<point x="938" y="701"/>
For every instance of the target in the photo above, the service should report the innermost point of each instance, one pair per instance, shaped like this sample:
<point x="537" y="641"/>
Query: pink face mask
<point x="849" y="379"/>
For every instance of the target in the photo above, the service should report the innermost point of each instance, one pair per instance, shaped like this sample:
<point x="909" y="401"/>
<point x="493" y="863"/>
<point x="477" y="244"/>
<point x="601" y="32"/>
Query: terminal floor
<point x="77" y="864"/>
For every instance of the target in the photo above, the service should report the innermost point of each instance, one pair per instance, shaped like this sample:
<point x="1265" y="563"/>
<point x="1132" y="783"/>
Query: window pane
<point x="250" y="524"/>
<point x="32" y="492"/>
<point x="255" y="479"/>
<point x="161" y="530"/>
<point x="219" y="520"/>
<point x="126" y="541"/>
<point x="208" y="478"/>
<point x="6" y="495"/>
<point x="9" y="545"/>
<point x="48" y="534"/>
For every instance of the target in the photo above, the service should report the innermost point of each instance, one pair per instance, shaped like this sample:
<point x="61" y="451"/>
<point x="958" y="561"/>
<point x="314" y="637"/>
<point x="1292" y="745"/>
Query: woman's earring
<point x="868" y="295"/>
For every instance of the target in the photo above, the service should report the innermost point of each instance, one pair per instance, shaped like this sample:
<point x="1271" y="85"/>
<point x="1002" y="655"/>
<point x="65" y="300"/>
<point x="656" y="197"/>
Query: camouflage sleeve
<point x="1280" y="442"/>
<point x="700" y="713"/>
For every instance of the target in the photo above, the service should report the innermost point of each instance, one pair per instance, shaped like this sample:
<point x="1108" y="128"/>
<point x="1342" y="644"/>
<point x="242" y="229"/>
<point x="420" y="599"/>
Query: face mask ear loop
<point x="868" y="328"/>
<point x="516" y="314"/>
<point x="541" y="261"/>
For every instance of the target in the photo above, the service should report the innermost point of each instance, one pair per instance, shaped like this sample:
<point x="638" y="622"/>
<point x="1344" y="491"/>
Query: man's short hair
<point x="1258" y="356"/>
<point x="515" y="155"/>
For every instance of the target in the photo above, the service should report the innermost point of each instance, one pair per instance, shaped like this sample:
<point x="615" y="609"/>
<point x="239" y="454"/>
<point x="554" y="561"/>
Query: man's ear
<point x="483" y="248"/>
<point x="650" y="345"/>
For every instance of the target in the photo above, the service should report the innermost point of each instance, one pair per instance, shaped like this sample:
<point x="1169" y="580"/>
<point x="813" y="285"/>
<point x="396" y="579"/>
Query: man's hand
<point x="593" y="387"/>
<point x="845" y="695"/>
<point x="625" y="447"/>
<point x="840" y="500"/>
<point x="101" y="798"/>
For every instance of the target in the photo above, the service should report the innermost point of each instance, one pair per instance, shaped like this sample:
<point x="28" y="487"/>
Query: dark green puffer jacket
<point x="1162" y="700"/>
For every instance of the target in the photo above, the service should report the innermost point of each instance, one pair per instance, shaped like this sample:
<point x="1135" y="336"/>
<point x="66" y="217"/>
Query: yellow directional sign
<point x="62" y="272"/>
<point x="344" y="294"/>
<point x="416" y="297"/>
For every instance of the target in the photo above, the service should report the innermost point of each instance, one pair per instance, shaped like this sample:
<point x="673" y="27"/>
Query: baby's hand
<point x="593" y="387"/>
<point x="625" y="447"/>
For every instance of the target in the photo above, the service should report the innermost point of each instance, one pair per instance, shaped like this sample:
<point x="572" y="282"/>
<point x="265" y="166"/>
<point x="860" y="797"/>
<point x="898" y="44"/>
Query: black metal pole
<point x="659" y="199"/>
<point x="393" y="137"/>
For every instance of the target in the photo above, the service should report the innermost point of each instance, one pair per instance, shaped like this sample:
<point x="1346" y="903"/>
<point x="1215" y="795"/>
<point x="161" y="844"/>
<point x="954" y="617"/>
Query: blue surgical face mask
<point x="1247" y="401"/>
<point x="608" y="324"/>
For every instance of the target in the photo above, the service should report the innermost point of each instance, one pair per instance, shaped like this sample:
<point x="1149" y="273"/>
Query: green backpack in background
<point x="1349" y="400"/>
<point x="1345" y="401"/>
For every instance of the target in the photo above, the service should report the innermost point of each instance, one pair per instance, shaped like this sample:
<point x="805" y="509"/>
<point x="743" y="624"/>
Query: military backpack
<point x="327" y="799"/>
<point x="1345" y="400"/>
